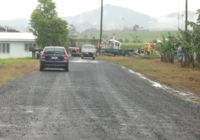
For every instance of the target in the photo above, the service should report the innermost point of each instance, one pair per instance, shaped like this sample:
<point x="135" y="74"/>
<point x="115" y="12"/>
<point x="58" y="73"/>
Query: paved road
<point x="94" y="101"/>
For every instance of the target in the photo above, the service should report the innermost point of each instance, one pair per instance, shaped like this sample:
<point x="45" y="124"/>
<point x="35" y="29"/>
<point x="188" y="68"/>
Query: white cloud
<point x="10" y="9"/>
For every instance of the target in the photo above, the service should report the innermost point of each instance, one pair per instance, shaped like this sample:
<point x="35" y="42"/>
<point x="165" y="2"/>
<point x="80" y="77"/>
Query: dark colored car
<point x="54" y="57"/>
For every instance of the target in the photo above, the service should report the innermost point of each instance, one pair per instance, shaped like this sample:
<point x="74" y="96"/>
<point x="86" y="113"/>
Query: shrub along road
<point x="94" y="101"/>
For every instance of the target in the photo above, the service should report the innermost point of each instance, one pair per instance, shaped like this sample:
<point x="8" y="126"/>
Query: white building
<point x="16" y="45"/>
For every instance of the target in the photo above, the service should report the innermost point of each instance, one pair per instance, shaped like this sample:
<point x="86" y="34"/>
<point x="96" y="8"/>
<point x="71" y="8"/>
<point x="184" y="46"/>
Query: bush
<point x="187" y="41"/>
<point x="167" y="49"/>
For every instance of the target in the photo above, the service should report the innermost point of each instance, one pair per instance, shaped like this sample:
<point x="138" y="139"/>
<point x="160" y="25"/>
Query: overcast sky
<point x="10" y="9"/>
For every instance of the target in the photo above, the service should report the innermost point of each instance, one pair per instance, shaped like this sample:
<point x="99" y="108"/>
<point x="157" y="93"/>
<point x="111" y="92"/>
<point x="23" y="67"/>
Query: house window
<point x="26" y="47"/>
<point x="4" y="48"/>
<point x="8" y="48"/>
<point x="29" y="46"/>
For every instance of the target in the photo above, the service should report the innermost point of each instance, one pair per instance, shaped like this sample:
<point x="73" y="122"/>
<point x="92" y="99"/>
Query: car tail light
<point x="42" y="56"/>
<point x="66" y="57"/>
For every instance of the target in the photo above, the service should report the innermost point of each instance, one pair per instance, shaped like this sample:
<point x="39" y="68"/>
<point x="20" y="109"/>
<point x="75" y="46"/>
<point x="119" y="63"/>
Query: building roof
<point x="16" y="37"/>
<point x="113" y="40"/>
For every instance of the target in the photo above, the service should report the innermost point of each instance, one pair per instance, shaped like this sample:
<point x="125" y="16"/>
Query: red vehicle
<point x="74" y="51"/>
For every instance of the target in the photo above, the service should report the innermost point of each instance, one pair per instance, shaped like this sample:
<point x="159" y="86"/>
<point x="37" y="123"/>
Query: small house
<point x="16" y="45"/>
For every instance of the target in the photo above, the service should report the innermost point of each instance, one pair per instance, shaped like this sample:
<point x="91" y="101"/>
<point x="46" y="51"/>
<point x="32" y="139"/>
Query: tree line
<point x="7" y="29"/>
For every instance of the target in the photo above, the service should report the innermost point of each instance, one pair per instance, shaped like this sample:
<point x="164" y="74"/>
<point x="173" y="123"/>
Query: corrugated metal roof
<point x="8" y="36"/>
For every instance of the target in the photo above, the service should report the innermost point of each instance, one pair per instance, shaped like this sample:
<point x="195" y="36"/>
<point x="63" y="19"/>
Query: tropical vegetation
<point x="185" y="45"/>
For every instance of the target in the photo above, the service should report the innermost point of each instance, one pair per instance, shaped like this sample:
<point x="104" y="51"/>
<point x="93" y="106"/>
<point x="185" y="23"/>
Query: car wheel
<point x="41" y="67"/>
<point x="67" y="68"/>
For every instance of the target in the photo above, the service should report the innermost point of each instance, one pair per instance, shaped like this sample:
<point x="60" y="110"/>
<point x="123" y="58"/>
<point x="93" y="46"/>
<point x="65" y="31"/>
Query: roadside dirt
<point x="185" y="79"/>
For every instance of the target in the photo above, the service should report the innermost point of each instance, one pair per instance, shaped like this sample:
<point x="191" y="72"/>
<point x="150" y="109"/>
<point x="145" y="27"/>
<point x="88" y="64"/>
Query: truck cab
<point x="88" y="50"/>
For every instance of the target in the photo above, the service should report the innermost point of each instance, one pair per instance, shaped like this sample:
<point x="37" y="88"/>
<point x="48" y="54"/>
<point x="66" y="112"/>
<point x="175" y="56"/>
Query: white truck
<point x="88" y="50"/>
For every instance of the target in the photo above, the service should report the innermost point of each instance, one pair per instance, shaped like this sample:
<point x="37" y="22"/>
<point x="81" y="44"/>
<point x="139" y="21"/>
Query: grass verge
<point x="173" y="75"/>
<point x="11" y="69"/>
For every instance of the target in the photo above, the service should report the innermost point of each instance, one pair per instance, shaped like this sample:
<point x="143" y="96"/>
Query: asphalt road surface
<point x="94" y="101"/>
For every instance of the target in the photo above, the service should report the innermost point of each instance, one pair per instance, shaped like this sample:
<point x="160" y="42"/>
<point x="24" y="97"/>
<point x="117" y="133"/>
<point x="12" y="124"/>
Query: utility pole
<point x="101" y="26"/>
<point x="186" y="14"/>
<point x="178" y="26"/>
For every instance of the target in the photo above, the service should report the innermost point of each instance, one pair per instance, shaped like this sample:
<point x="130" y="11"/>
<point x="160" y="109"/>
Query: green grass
<point x="129" y="39"/>
<point x="132" y="45"/>
<point x="11" y="69"/>
<point x="129" y="36"/>
<point x="14" y="60"/>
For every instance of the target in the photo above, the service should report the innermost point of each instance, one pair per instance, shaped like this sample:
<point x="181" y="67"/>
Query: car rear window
<point x="54" y="50"/>
<point x="88" y="46"/>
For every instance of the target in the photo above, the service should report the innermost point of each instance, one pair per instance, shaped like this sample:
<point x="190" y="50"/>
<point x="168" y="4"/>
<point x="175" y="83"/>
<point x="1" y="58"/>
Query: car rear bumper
<point x="88" y="55"/>
<point x="54" y="64"/>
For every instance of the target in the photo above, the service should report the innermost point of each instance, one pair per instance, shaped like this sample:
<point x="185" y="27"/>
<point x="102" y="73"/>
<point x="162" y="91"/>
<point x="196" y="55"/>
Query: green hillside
<point x="129" y="39"/>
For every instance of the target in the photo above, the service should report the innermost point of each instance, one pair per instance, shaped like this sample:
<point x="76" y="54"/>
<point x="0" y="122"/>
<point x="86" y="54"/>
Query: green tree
<point x="189" y="41"/>
<point x="136" y="28"/>
<point x="196" y="38"/>
<point x="47" y="26"/>
<point x="72" y="29"/>
<point x="167" y="48"/>
<point x="198" y="19"/>
<point x="186" y="41"/>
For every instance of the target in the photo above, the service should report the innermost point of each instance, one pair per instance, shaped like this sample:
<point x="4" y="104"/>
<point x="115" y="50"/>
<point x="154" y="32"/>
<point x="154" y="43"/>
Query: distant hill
<point x="18" y="24"/>
<point x="115" y="17"/>
<point x="7" y="29"/>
